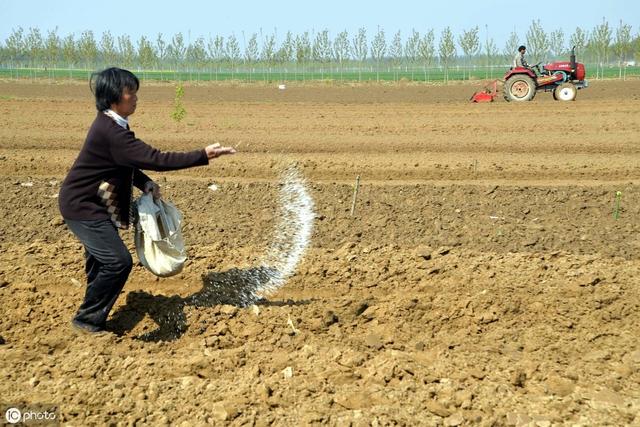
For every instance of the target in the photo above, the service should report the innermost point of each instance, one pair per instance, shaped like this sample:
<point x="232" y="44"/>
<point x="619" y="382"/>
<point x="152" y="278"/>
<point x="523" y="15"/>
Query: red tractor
<point x="562" y="78"/>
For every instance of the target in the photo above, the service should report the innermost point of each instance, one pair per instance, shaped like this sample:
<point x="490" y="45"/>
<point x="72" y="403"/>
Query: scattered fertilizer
<point x="291" y="236"/>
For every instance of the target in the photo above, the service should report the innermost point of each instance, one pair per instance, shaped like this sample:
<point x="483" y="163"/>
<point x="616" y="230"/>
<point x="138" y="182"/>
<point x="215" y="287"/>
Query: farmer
<point x="519" y="61"/>
<point x="96" y="196"/>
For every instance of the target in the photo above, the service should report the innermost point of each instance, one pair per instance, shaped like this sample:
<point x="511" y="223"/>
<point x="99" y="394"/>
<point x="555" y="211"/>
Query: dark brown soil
<point x="482" y="281"/>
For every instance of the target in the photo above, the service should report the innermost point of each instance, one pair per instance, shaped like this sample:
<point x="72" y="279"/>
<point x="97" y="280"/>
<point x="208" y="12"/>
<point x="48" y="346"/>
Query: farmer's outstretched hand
<point x="215" y="150"/>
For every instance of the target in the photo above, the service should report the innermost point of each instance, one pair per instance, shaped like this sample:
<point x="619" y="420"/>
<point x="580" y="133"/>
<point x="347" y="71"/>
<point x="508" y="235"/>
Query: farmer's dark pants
<point x="108" y="264"/>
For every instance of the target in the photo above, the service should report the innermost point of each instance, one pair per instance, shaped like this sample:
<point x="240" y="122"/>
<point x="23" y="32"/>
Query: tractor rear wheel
<point x="519" y="88"/>
<point x="565" y="92"/>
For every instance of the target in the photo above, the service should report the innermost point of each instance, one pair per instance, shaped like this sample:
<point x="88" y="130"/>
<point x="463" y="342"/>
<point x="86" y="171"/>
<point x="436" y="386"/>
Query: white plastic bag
<point x="158" y="238"/>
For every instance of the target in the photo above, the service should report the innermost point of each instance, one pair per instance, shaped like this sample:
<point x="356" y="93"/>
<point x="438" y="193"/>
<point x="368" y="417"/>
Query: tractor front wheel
<point x="519" y="88"/>
<point x="565" y="92"/>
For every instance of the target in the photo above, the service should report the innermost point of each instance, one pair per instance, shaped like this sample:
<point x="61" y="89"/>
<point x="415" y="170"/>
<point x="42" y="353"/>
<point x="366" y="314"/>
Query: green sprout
<point x="178" y="109"/>
<point x="616" y="210"/>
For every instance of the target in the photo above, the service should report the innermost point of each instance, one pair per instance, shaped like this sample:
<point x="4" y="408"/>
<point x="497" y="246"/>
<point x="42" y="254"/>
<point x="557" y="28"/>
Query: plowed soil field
<point x="483" y="279"/>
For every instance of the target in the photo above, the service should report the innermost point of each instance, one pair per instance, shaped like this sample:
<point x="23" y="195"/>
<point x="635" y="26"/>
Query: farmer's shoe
<point x="87" y="329"/>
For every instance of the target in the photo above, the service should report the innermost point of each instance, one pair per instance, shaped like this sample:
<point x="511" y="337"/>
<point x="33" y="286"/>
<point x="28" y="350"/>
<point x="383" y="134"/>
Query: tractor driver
<point x="519" y="61"/>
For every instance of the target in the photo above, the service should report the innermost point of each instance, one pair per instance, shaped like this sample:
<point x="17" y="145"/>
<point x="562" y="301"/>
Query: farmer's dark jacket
<point x="98" y="186"/>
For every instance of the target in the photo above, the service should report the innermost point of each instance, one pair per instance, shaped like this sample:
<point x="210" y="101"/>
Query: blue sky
<point x="205" y="18"/>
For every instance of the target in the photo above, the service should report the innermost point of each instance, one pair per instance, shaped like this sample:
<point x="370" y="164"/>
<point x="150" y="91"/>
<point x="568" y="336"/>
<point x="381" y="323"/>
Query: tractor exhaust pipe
<point x="572" y="59"/>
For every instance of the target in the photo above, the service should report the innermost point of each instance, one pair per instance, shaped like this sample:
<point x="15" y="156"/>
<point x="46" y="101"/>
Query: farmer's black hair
<point x="108" y="86"/>
<point x="521" y="48"/>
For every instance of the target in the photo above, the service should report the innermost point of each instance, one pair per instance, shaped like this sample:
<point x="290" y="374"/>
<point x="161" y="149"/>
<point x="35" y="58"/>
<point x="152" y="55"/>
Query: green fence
<point x="366" y="74"/>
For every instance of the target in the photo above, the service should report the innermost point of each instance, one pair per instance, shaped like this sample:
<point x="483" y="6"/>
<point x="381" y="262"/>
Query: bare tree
<point x="52" y="47"/>
<point x="341" y="49"/>
<point x="537" y="41"/>
<point x="232" y="52"/>
<point x="321" y="48"/>
<point x="511" y="47"/>
<point x="303" y="50"/>
<point x="556" y="43"/>
<point x="395" y="51"/>
<point x="15" y="45"/>
<point x="35" y="46"/>
<point x="197" y="56"/>
<point x="161" y="49"/>
<point x="378" y="50"/>
<point x="108" y="48"/>
<point x="622" y="46"/>
<point x="601" y="41"/>
<point x="268" y="51"/>
<point x="216" y="53"/>
<point x="603" y="45"/>
<point x="268" y="54"/>
<point x="427" y="51"/>
<point x="411" y="49"/>
<point x="126" y="50"/>
<point x="490" y="51"/>
<point x="216" y="49"/>
<point x="251" y="50"/>
<point x="88" y="48"/>
<point x="69" y="51"/>
<point x="579" y="40"/>
<point x="359" y="49"/>
<point x="177" y="49"/>
<point x="285" y="53"/>
<point x="470" y="44"/>
<point x="447" y="51"/>
<point x="146" y="53"/>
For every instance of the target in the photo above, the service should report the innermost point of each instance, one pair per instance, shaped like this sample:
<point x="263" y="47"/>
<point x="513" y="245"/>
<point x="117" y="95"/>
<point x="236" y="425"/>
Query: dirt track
<point x="483" y="279"/>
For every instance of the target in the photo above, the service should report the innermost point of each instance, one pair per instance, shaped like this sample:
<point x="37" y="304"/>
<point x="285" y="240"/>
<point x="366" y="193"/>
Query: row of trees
<point x="601" y="46"/>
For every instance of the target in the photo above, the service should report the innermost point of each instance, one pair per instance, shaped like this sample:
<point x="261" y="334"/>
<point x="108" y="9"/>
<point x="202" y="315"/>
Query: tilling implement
<point x="487" y="94"/>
